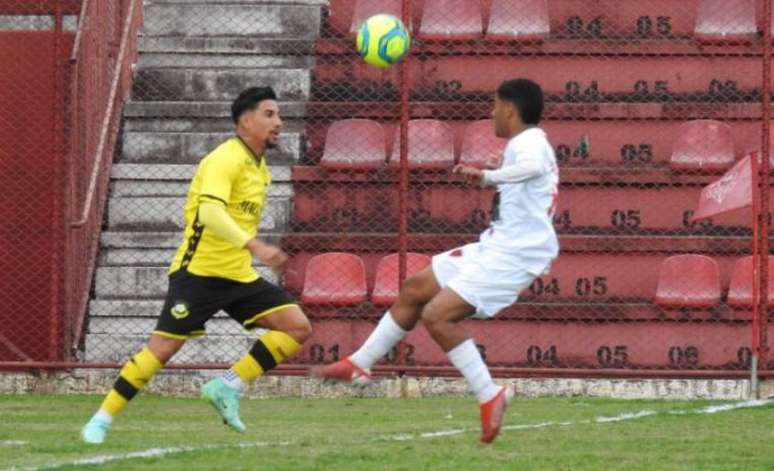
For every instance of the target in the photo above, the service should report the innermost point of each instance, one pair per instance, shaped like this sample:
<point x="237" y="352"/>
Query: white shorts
<point x="488" y="280"/>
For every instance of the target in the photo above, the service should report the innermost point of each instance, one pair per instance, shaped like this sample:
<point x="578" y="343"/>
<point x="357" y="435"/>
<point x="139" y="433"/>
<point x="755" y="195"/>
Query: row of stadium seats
<point x="527" y="20"/>
<point x="689" y="281"/>
<point x="693" y="281"/>
<point x="360" y="144"/>
<point x="463" y="19"/>
<point x="346" y="283"/>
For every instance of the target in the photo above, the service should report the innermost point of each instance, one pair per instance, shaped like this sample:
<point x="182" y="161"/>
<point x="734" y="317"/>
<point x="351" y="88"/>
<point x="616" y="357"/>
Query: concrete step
<point x="227" y="44"/>
<point x="210" y="349"/>
<point x="166" y="213"/>
<point x="141" y="282"/>
<point x="221" y="59"/>
<point x="191" y="147"/>
<point x="160" y="240"/>
<point x="136" y="257"/>
<point x="127" y="308"/>
<point x="141" y="257"/>
<point x="132" y="309"/>
<point x="140" y="240"/>
<point x="144" y="326"/>
<point x="126" y="188"/>
<point x="175" y="172"/>
<point x="207" y="84"/>
<point x="199" y="109"/>
<point x="232" y="18"/>
<point x="199" y="125"/>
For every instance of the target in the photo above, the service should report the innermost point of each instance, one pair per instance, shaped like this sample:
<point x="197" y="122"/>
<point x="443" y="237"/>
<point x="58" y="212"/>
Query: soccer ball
<point x="382" y="40"/>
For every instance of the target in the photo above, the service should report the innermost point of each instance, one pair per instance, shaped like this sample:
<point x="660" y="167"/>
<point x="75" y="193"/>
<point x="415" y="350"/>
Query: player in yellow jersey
<point x="212" y="271"/>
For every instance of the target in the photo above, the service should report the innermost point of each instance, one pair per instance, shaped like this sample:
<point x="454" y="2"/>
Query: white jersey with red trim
<point x="527" y="188"/>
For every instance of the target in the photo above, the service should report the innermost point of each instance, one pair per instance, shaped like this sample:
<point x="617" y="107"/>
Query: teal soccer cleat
<point x="94" y="431"/>
<point x="225" y="400"/>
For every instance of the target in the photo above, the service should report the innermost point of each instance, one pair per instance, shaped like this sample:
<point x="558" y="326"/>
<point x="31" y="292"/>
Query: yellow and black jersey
<point x="233" y="175"/>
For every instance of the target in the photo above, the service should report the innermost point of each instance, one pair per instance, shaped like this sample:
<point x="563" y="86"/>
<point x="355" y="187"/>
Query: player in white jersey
<point x="480" y="279"/>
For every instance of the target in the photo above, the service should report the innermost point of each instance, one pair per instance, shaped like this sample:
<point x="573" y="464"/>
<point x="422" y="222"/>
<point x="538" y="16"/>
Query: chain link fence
<point x="66" y="74"/>
<point x="35" y="40"/>
<point x="647" y="103"/>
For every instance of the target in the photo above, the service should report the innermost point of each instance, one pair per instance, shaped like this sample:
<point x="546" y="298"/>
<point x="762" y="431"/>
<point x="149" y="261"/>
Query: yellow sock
<point x="271" y="349"/>
<point x="134" y="375"/>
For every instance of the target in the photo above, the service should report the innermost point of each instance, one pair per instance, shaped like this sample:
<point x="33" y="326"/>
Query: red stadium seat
<point x="365" y="9"/>
<point x="740" y="288"/>
<point x="451" y="19"/>
<point x="691" y="281"/>
<point x="518" y="20"/>
<point x="354" y="144"/>
<point x="703" y="144"/>
<point x="335" y="278"/>
<point x="480" y="147"/>
<point x="430" y="145"/>
<point x="386" y="285"/>
<point x="723" y="20"/>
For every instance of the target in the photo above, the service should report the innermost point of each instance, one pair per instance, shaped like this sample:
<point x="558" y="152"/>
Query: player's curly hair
<point x="526" y="95"/>
<point x="249" y="99"/>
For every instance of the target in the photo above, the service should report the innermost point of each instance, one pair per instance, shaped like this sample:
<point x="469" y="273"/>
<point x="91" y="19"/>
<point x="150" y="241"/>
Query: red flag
<point x="732" y="191"/>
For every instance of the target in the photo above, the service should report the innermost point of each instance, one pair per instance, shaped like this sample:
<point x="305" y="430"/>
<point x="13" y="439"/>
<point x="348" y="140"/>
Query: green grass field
<point x="160" y="433"/>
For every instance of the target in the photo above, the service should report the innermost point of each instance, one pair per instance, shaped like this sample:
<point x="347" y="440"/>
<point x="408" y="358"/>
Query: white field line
<point x="443" y="433"/>
<point x="148" y="453"/>
<point x="626" y="416"/>
<point x="13" y="443"/>
<point x="735" y="405"/>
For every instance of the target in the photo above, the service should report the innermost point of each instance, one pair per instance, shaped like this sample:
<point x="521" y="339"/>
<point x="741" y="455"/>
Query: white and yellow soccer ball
<point x="383" y="40"/>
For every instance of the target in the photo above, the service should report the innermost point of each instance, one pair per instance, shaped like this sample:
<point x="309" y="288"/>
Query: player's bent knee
<point x="416" y="290"/>
<point x="299" y="328"/>
<point x="302" y="331"/>
<point x="292" y="321"/>
<point x="164" y="348"/>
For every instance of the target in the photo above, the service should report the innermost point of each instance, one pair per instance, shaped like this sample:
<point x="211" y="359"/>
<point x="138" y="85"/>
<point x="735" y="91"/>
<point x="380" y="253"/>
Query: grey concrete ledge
<point x="187" y="384"/>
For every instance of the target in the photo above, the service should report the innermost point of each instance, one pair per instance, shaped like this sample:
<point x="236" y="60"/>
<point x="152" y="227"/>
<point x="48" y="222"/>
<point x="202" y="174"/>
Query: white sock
<point x="104" y="416"/>
<point x="232" y="379"/>
<point x="382" y="339"/>
<point x="467" y="359"/>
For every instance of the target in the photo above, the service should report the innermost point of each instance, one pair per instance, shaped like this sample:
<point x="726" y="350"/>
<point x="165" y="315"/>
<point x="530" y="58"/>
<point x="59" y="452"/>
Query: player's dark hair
<point x="526" y="95"/>
<point x="249" y="99"/>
